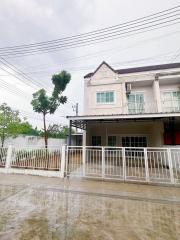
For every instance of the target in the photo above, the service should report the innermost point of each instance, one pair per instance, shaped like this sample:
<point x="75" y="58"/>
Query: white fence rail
<point x="158" y="165"/>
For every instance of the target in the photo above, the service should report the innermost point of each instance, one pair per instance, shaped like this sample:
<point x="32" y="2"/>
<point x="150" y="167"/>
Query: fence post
<point x="124" y="163"/>
<point x="170" y="165"/>
<point x="103" y="162"/>
<point x="84" y="160"/>
<point x="146" y="164"/>
<point x="63" y="160"/>
<point x="9" y="157"/>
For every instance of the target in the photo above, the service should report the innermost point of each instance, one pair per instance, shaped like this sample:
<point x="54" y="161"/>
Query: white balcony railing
<point x="167" y="106"/>
<point x="170" y="105"/>
<point x="141" y="108"/>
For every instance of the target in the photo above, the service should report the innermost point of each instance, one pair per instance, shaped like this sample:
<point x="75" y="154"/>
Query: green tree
<point x="42" y="103"/>
<point x="10" y="123"/>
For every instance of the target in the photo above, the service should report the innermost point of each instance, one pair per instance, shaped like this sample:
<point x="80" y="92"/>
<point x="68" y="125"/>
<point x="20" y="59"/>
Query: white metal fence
<point x="38" y="161"/>
<point x="31" y="158"/>
<point x="159" y="165"/>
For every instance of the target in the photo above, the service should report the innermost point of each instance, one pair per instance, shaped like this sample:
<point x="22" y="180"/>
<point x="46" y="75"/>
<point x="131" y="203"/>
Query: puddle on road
<point x="38" y="214"/>
<point x="7" y="190"/>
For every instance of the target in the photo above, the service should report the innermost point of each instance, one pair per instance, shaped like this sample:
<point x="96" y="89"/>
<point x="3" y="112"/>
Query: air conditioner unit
<point x="128" y="88"/>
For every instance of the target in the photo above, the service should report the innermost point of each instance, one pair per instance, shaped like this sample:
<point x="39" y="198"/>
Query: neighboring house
<point x="133" y="107"/>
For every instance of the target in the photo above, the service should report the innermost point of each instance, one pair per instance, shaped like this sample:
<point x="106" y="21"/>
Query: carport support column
<point x="84" y="138"/>
<point x="9" y="157"/>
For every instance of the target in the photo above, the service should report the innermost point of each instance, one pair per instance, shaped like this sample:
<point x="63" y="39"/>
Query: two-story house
<point x="133" y="107"/>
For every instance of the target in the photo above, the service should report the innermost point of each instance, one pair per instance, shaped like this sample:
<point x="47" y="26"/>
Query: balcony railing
<point x="141" y="108"/>
<point x="167" y="106"/>
<point x="170" y="105"/>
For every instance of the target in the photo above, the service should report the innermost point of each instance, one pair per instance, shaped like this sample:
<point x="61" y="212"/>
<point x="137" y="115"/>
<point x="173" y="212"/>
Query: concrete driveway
<point x="34" y="207"/>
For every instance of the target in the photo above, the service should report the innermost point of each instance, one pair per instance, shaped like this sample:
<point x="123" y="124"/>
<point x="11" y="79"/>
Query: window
<point x="136" y="103"/>
<point x="111" y="141"/>
<point x="105" y="97"/>
<point x="96" y="140"/>
<point x="136" y="141"/>
<point x="171" y="101"/>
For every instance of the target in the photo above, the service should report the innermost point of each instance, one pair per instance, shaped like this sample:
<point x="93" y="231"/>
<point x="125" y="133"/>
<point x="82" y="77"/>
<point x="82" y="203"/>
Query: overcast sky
<point x="30" y="21"/>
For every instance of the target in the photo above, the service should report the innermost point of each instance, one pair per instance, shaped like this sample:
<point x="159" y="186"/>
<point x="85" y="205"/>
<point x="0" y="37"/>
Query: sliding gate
<point x="161" y="165"/>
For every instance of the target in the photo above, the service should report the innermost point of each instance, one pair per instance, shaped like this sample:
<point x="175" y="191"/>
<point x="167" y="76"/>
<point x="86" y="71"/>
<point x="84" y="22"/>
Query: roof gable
<point x="103" y="63"/>
<point x="137" y="69"/>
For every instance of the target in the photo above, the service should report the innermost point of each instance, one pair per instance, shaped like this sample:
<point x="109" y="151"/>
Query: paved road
<point x="50" y="208"/>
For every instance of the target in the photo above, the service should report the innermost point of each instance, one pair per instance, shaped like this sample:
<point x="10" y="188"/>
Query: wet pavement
<point x="50" y="208"/>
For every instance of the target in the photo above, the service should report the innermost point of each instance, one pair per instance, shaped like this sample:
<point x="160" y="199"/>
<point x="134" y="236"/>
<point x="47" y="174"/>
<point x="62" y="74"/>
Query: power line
<point x="19" y="72"/>
<point x="84" y="68"/>
<point x="151" y="16"/>
<point x="94" y="54"/>
<point x="88" y="44"/>
<point x="104" y="37"/>
<point x="13" y="90"/>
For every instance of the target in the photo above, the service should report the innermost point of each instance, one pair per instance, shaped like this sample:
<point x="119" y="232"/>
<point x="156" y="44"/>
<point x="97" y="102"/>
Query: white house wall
<point x="107" y="80"/>
<point x="153" y="131"/>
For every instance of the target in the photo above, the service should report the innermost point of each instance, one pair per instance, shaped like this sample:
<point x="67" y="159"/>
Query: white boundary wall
<point x="33" y="141"/>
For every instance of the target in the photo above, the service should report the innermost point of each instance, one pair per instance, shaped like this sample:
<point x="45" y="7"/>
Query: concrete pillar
<point x="124" y="99"/>
<point x="157" y="95"/>
<point x="70" y="132"/>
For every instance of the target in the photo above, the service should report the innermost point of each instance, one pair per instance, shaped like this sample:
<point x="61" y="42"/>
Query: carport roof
<point x="81" y="121"/>
<point x="124" y="116"/>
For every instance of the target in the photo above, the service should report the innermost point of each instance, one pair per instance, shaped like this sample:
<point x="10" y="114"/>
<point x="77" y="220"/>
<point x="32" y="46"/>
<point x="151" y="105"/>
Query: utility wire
<point x="19" y="72"/>
<point x="90" y="67"/>
<point x="95" y="54"/>
<point x="152" y="16"/>
<point x="101" y="38"/>
<point x="12" y="89"/>
<point x="87" y="44"/>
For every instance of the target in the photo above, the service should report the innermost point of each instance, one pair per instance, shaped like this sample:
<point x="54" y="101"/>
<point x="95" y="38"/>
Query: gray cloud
<point x="32" y="21"/>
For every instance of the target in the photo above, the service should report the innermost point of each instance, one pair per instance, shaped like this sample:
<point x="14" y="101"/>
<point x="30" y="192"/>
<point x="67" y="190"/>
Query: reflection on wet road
<point x="47" y="213"/>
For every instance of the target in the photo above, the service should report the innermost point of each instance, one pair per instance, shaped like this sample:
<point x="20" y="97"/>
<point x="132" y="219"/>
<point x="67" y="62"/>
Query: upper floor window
<point x="136" y="103"/>
<point x="171" y="101"/>
<point x="105" y="97"/>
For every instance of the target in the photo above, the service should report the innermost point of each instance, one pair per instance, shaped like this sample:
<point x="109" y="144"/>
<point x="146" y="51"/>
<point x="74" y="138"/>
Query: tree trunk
<point x="45" y="131"/>
<point x="2" y="139"/>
